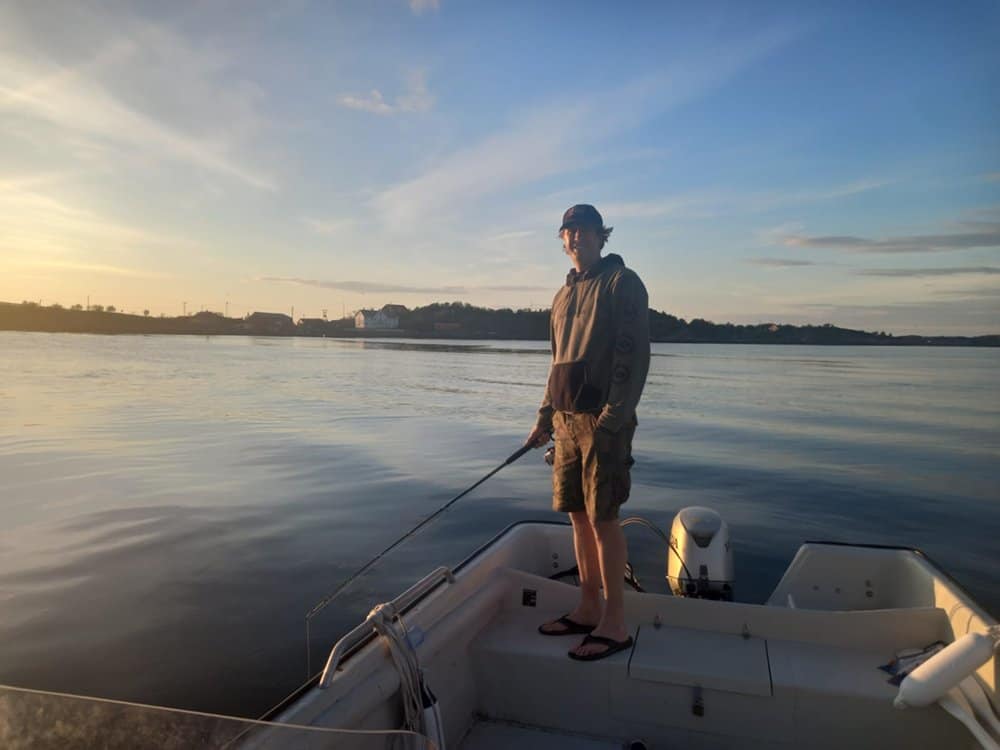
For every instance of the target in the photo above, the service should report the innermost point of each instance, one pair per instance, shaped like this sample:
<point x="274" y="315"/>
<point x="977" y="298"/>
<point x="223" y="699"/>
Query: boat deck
<point x="496" y="735"/>
<point x="694" y="675"/>
<point x="802" y="669"/>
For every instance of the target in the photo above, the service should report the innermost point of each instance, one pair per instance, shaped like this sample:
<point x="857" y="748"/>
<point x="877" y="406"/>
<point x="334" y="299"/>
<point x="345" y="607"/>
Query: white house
<point x="375" y="319"/>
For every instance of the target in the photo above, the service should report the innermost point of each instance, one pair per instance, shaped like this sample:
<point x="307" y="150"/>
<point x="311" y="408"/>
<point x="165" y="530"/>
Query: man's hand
<point x="538" y="437"/>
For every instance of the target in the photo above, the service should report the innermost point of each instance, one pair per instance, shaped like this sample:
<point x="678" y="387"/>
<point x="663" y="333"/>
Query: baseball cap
<point x="581" y="215"/>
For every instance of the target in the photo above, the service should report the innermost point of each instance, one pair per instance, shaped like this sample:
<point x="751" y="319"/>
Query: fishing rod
<point x="322" y="604"/>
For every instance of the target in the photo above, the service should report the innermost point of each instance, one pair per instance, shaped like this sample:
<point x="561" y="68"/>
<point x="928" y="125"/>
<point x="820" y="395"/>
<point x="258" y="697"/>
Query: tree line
<point x="447" y="320"/>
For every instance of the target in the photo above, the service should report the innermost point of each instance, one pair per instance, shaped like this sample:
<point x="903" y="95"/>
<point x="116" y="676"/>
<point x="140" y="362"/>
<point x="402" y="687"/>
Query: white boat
<point x="800" y="670"/>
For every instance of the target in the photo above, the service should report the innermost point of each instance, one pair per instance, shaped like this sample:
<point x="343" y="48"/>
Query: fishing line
<point x="325" y="601"/>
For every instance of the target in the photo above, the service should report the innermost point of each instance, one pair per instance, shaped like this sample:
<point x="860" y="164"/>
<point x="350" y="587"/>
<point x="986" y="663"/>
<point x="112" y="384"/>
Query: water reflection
<point x="185" y="506"/>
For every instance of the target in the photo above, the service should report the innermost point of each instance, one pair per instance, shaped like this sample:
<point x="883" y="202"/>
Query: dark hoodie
<point x="599" y="332"/>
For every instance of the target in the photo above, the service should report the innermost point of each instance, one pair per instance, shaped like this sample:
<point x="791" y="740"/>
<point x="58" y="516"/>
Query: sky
<point x="759" y="162"/>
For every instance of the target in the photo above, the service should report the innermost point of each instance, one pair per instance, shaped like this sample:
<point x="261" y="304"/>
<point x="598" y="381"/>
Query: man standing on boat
<point x="599" y="332"/>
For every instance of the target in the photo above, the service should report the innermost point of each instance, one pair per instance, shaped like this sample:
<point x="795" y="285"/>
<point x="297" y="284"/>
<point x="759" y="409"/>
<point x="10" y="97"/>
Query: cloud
<point x="526" y="151"/>
<point x="924" y="307"/>
<point x="139" y="87"/>
<point x="47" y="230"/>
<point x="780" y="262"/>
<point x="328" y="227"/>
<point x="364" y="287"/>
<point x="416" y="98"/>
<point x="965" y="316"/>
<point x="928" y="272"/>
<point x="728" y="202"/>
<point x="973" y="293"/>
<point x="420" y="6"/>
<point x="506" y="236"/>
<point x="99" y="268"/>
<point x="533" y="145"/>
<point x="683" y="206"/>
<point x="373" y="103"/>
<point x="981" y="235"/>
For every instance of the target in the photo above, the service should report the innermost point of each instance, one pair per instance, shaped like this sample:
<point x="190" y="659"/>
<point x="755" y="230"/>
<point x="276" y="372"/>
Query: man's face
<point x="582" y="245"/>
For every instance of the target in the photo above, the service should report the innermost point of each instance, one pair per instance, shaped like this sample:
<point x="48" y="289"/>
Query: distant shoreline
<point x="448" y="322"/>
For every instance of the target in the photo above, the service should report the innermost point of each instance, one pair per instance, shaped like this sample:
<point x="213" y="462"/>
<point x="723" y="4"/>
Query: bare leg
<point x="590" y="608"/>
<point x="588" y="561"/>
<point x="612" y="554"/>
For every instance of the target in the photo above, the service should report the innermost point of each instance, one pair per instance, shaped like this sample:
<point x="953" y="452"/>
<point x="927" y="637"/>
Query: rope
<point x="405" y="658"/>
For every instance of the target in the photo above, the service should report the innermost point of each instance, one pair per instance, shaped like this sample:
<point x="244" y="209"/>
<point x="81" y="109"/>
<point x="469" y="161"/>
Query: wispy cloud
<point x="727" y="202"/>
<point x="507" y="236"/>
<point x="372" y="102"/>
<point x="780" y="262"/>
<point x="106" y="97"/>
<point x="40" y="227"/>
<point x="526" y="151"/>
<point x="416" y="98"/>
<point x="929" y="272"/>
<point x="983" y="235"/>
<point x="920" y="307"/>
<point x="686" y="206"/>
<point x="328" y="227"/>
<point x="382" y="287"/>
<point x="974" y="293"/>
<point x="98" y="268"/>
<point x="534" y="145"/>
<point x="961" y="314"/>
<point x="422" y="6"/>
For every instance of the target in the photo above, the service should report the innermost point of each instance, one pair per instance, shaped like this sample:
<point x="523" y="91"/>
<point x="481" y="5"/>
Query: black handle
<point x="518" y="453"/>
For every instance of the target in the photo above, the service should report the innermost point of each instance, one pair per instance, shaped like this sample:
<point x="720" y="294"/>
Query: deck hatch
<point x="701" y="658"/>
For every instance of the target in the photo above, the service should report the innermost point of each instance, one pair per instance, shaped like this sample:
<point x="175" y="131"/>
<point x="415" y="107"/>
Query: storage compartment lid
<point x="717" y="661"/>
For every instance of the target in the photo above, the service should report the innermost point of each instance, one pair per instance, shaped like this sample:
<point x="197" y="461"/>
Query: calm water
<point x="171" y="507"/>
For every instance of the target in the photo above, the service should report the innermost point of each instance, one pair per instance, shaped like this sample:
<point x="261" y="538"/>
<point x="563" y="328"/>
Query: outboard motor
<point x="700" y="558"/>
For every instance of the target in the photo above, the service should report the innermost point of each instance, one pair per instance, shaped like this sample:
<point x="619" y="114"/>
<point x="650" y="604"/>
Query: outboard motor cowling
<point x="700" y="558"/>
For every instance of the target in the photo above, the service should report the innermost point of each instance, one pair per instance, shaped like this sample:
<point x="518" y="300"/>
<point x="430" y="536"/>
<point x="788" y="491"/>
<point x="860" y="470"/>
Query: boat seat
<point x="829" y="670"/>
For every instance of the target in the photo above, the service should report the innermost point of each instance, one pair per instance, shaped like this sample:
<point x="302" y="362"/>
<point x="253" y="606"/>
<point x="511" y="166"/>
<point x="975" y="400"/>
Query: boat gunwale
<point x="972" y="602"/>
<point x="313" y="681"/>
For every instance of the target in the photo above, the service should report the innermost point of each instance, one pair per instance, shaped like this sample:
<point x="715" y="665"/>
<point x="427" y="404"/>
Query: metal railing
<point x="364" y="631"/>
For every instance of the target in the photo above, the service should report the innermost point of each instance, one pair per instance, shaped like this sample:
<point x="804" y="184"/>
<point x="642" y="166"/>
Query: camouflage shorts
<point x="591" y="470"/>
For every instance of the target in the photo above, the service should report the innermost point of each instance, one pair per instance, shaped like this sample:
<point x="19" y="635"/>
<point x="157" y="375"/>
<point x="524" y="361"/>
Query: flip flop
<point x="572" y="627"/>
<point x="613" y="647"/>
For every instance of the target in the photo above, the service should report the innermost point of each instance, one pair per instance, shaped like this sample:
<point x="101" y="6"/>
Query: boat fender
<point x="933" y="679"/>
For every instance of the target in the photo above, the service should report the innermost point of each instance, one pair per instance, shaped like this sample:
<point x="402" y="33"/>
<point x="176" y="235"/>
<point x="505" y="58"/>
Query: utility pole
<point x="88" y="301"/>
<point x="227" y="308"/>
<point x="293" y="313"/>
<point x="184" y="308"/>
